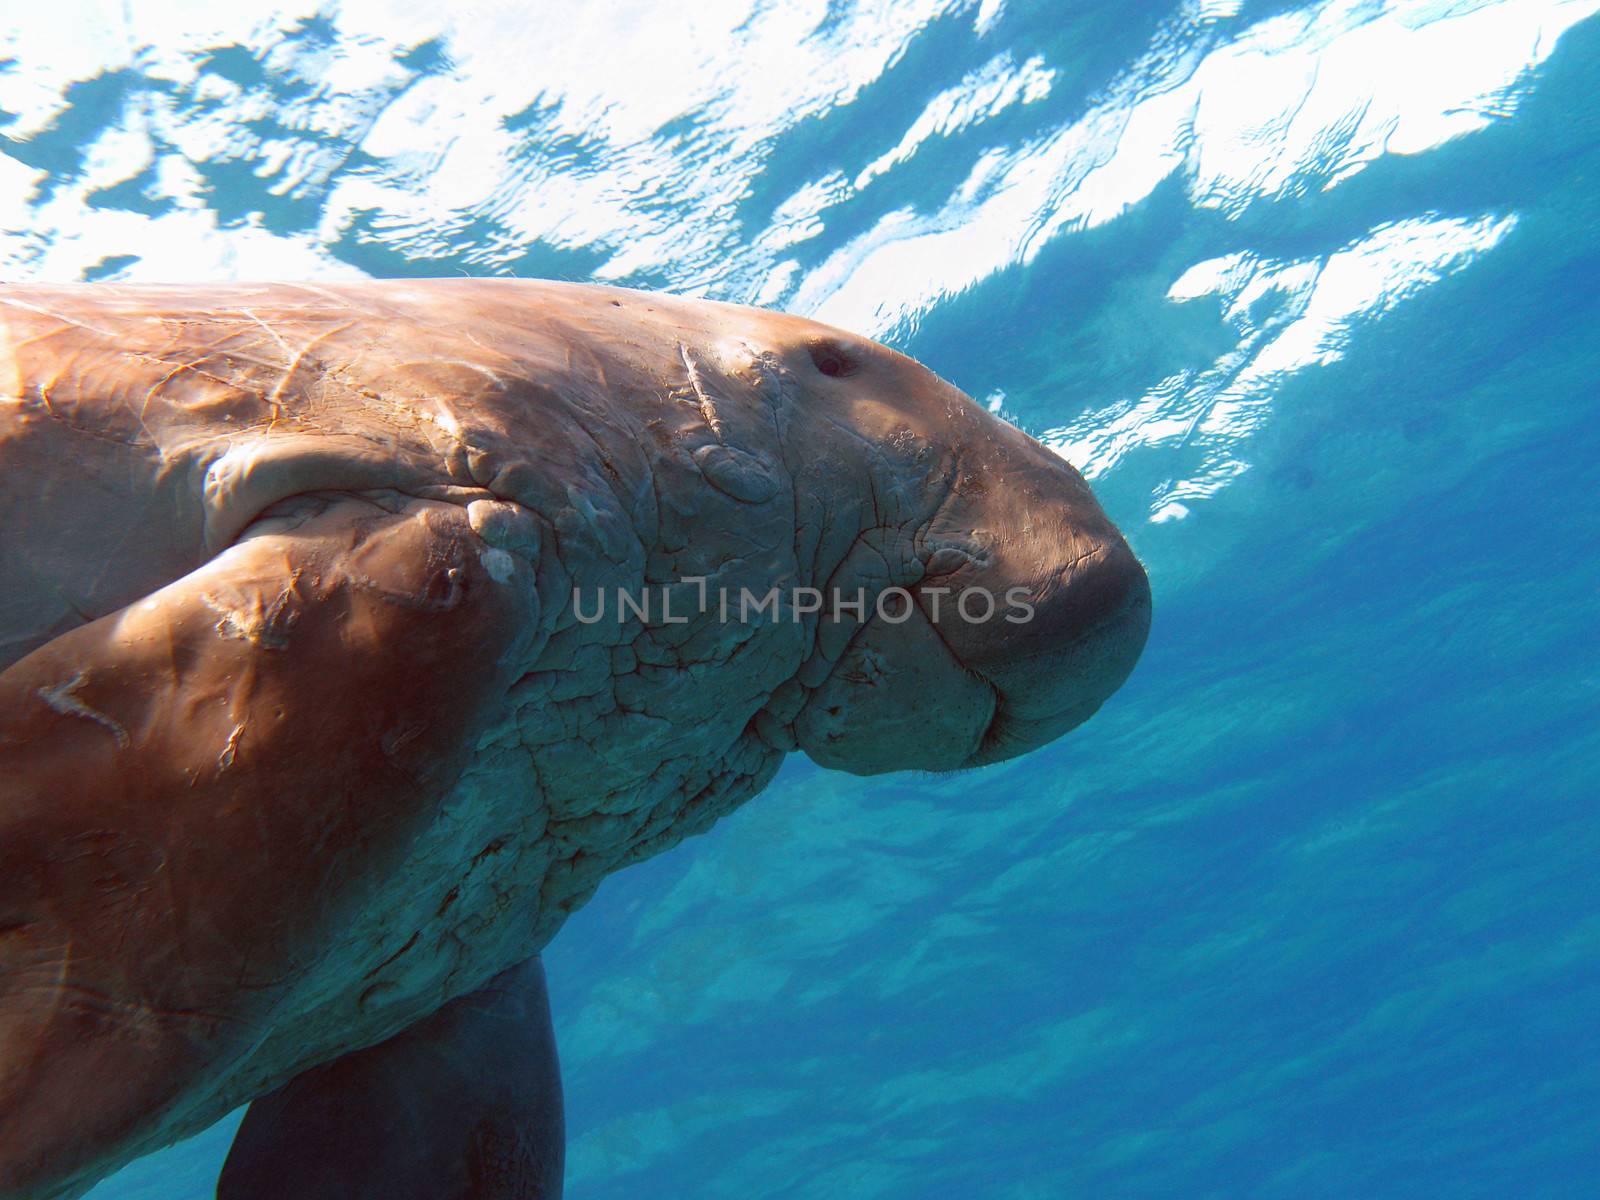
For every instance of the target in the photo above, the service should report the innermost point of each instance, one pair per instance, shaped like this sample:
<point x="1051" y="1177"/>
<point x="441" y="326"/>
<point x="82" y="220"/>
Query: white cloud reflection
<point x="1312" y="305"/>
<point x="1300" y="101"/>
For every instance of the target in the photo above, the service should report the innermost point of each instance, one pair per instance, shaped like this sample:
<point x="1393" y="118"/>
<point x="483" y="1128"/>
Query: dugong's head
<point x="1002" y="605"/>
<point x="1027" y="608"/>
<point x="976" y="601"/>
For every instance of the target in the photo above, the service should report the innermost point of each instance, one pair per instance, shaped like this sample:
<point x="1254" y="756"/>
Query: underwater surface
<point x="1309" y="291"/>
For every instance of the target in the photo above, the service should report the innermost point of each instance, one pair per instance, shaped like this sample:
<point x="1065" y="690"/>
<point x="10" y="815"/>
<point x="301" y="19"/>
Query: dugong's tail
<point x="465" y="1105"/>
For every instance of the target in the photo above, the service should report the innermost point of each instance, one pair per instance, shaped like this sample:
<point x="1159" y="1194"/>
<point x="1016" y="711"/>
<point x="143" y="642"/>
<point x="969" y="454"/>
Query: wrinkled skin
<point x="301" y="734"/>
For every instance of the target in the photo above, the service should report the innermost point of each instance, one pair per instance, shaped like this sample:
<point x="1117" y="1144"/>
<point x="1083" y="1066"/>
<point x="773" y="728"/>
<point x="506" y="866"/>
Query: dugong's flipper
<point x="198" y="791"/>
<point x="465" y="1105"/>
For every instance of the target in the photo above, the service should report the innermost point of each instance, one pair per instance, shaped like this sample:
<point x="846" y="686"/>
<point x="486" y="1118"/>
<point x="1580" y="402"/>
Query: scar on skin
<point x="265" y="625"/>
<point x="422" y="602"/>
<point x="708" y="410"/>
<point x="225" y="759"/>
<point x="498" y="564"/>
<point x="63" y="698"/>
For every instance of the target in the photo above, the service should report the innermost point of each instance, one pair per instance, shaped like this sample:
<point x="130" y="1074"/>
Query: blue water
<point x="1311" y="908"/>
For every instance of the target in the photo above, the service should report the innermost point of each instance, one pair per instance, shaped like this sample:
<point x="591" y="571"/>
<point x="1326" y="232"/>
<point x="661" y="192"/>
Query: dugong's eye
<point x="831" y="359"/>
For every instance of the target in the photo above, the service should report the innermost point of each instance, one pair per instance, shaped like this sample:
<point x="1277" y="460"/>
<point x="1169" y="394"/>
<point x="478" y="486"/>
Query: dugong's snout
<point x="989" y="665"/>
<point x="1076" y="600"/>
<point x="1079" y="643"/>
<point x="1033" y="610"/>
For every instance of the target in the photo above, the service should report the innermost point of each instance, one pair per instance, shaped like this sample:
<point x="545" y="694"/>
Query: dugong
<point x="351" y="634"/>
